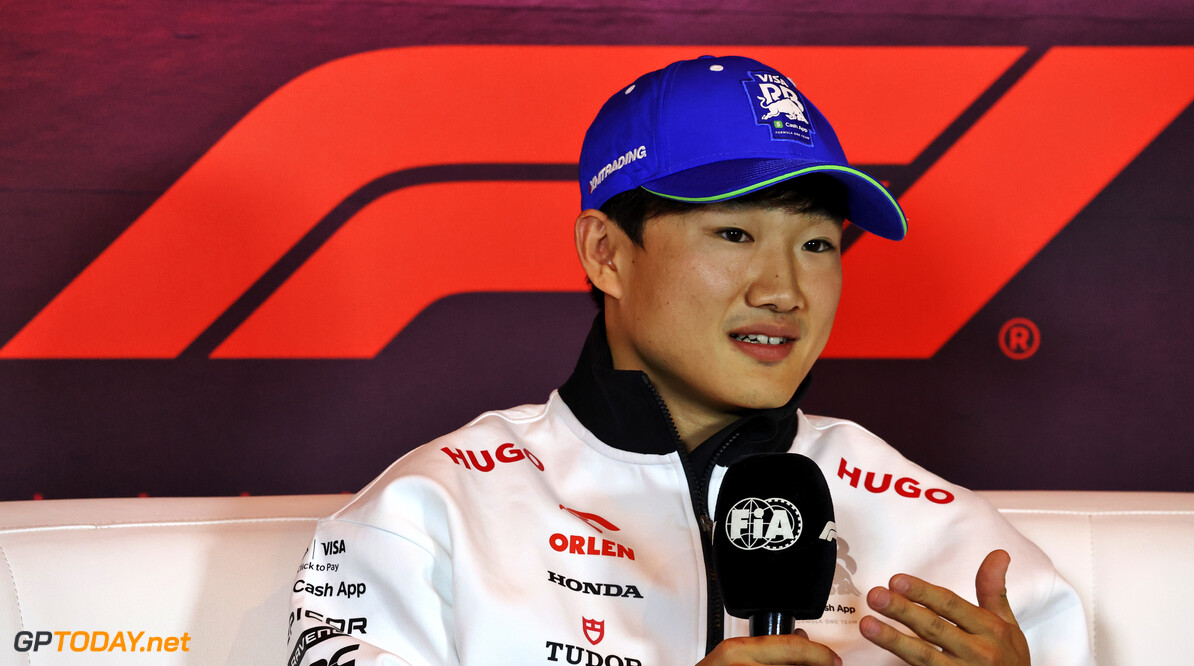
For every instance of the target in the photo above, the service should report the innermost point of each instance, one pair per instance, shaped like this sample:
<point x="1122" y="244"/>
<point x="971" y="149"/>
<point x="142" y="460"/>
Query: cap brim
<point x="870" y="205"/>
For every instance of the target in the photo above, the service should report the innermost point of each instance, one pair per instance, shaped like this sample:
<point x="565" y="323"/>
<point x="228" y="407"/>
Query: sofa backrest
<point x="214" y="574"/>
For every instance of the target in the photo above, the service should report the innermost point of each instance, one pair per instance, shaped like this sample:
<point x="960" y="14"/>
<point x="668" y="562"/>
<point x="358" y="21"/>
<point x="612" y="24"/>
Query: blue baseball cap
<point x="716" y="128"/>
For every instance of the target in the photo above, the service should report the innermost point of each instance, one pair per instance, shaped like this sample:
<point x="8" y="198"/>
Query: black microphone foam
<point x="774" y="540"/>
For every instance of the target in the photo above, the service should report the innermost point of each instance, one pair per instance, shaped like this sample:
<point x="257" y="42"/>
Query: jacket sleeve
<point x="1057" y="630"/>
<point x="364" y="596"/>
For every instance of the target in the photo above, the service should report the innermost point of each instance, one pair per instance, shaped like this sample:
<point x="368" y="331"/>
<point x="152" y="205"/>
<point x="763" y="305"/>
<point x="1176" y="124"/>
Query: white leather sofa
<point x="217" y="573"/>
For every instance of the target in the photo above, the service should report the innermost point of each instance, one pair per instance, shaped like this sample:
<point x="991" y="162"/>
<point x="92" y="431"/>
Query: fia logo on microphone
<point x="773" y="524"/>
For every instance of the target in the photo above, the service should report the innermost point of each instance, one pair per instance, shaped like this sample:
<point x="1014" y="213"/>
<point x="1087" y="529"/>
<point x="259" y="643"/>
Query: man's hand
<point x="951" y="630"/>
<point x="792" y="650"/>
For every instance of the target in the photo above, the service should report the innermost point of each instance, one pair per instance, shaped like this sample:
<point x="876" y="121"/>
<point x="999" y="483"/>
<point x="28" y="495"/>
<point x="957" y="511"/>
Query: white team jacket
<point x="524" y="539"/>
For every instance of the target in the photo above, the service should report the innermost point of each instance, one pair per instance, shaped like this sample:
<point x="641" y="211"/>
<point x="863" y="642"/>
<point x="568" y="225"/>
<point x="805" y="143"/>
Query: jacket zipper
<point x="698" y="489"/>
<point x="716" y="607"/>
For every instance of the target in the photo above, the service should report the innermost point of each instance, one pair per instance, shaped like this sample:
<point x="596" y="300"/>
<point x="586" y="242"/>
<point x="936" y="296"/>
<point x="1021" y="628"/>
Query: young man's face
<point x="706" y="280"/>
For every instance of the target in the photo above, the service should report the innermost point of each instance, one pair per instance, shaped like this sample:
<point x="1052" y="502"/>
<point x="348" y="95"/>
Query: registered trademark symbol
<point x="1019" y="338"/>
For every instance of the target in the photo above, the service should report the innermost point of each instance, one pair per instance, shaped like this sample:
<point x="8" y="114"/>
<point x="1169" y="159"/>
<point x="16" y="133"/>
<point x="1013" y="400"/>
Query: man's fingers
<point x="791" y="649"/>
<point x="990" y="585"/>
<point x="943" y="602"/>
<point x="911" y="650"/>
<point x="923" y="621"/>
<point x="946" y="625"/>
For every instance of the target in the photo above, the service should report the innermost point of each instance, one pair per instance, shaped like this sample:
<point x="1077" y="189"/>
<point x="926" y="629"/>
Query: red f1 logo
<point x="981" y="211"/>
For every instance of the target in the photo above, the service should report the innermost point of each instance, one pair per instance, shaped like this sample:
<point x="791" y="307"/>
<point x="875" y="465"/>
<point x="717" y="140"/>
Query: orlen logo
<point x="753" y="523"/>
<point x="287" y="265"/>
<point x="579" y="545"/>
<point x="593" y="520"/>
<point x="904" y="486"/>
<point x="506" y="453"/>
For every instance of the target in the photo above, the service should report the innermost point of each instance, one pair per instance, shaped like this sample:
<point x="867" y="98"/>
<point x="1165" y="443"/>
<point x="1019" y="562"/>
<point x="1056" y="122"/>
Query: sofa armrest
<point x="1129" y="556"/>
<point x="216" y="571"/>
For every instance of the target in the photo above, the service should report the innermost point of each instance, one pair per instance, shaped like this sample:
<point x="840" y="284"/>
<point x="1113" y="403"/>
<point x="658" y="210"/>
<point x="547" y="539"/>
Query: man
<point x="713" y="197"/>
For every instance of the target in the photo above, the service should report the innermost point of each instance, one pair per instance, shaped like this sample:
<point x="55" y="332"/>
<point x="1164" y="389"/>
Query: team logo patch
<point x="594" y="630"/>
<point x="777" y="105"/>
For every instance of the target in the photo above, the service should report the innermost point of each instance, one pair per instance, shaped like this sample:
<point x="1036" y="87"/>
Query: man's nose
<point x="776" y="283"/>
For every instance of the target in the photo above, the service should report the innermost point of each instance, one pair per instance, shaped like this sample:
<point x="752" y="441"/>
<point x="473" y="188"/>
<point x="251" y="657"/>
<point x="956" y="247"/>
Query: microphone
<point x="774" y="541"/>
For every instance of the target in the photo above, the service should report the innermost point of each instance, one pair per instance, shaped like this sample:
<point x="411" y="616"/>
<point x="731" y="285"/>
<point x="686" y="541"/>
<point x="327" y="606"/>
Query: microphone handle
<point x="772" y="623"/>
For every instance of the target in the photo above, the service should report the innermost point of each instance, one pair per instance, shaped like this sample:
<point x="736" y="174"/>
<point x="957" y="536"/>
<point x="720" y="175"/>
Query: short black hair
<point x="814" y="193"/>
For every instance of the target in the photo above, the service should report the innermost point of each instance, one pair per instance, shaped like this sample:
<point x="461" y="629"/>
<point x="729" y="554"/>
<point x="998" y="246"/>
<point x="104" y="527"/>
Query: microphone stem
<point x="771" y="623"/>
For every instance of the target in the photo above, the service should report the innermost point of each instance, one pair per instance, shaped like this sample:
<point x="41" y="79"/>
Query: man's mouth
<point x="760" y="339"/>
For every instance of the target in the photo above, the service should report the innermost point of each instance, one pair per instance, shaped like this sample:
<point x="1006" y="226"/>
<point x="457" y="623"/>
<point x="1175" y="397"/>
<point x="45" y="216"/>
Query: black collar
<point x="622" y="409"/>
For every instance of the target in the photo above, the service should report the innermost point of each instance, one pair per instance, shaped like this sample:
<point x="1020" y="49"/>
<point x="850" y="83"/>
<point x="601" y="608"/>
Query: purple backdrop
<point x="103" y="105"/>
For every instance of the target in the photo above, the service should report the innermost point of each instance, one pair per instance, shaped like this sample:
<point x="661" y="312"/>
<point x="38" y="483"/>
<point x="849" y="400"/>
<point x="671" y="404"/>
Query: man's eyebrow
<point x="822" y="219"/>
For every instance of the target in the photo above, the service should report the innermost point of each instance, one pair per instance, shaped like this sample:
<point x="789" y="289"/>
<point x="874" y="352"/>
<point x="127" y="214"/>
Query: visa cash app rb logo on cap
<point x="778" y="106"/>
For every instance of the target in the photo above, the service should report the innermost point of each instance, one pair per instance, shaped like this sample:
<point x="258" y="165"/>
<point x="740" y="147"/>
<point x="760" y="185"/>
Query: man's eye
<point x="734" y="235"/>
<point x="819" y="245"/>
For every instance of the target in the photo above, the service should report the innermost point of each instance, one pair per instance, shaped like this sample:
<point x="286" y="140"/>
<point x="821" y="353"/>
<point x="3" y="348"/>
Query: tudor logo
<point x="773" y="524"/>
<point x="594" y="629"/>
<point x="576" y="654"/>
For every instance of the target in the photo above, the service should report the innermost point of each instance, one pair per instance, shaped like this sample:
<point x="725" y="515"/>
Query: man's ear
<point x="601" y="244"/>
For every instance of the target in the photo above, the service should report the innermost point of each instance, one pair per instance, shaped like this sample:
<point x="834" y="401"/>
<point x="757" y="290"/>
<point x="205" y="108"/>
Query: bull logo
<point x="781" y="99"/>
<point x="778" y="106"/>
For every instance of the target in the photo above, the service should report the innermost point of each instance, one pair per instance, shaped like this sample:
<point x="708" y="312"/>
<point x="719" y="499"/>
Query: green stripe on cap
<point x="786" y="176"/>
